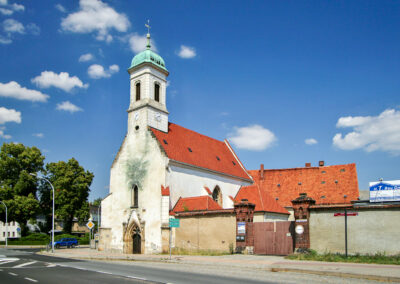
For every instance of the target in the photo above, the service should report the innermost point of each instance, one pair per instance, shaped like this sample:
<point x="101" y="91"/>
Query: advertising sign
<point x="241" y="227"/>
<point x="384" y="191"/>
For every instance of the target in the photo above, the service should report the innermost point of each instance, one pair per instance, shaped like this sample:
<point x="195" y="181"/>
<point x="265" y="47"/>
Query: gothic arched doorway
<point x="133" y="239"/>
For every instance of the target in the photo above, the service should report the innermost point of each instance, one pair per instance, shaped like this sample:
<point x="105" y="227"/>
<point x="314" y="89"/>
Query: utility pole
<point x="6" y="224"/>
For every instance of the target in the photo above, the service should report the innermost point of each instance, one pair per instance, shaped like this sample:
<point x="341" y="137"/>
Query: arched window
<point x="137" y="91"/>
<point x="135" y="197"/>
<point x="217" y="195"/>
<point x="156" y="92"/>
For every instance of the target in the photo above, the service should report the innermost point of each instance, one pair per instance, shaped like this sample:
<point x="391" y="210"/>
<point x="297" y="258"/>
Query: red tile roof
<point x="262" y="200"/>
<point x="189" y="147"/>
<point x="165" y="191"/>
<point x="326" y="184"/>
<point x="195" y="204"/>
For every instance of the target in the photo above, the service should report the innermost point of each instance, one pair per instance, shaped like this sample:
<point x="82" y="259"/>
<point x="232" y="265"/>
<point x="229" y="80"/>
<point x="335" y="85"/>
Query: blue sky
<point x="268" y="75"/>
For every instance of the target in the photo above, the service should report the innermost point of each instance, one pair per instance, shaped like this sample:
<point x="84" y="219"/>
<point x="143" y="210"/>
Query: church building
<point x="160" y="163"/>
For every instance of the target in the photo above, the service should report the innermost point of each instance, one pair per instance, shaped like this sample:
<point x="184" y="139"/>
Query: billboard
<point x="384" y="191"/>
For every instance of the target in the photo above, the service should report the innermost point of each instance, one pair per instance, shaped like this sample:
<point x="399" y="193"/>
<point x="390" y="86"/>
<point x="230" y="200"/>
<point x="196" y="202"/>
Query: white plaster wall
<point x="186" y="181"/>
<point x="116" y="208"/>
<point x="12" y="230"/>
<point x="372" y="231"/>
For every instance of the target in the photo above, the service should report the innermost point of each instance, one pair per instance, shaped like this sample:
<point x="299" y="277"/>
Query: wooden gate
<point x="274" y="238"/>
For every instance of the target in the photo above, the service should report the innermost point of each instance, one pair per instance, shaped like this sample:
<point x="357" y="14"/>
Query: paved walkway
<point x="377" y="272"/>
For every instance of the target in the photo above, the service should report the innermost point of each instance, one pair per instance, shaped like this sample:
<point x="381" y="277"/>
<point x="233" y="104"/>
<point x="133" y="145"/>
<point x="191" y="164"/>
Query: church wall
<point x="139" y="162"/>
<point x="186" y="181"/>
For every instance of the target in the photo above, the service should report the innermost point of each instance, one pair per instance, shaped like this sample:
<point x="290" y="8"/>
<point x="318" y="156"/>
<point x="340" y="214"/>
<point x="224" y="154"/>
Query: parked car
<point x="66" y="242"/>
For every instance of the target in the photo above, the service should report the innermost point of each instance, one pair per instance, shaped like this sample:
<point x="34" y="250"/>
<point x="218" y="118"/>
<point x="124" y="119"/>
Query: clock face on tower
<point x="157" y="116"/>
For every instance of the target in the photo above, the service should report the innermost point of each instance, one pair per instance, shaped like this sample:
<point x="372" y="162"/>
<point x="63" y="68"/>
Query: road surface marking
<point x="13" y="274"/>
<point x="30" y="279"/>
<point x="137" y="278"/>
<point x="99" y="271"/>
<point x="8" y="260"/>
<point x="24" y="264"/>
<point x="51" y="265"/>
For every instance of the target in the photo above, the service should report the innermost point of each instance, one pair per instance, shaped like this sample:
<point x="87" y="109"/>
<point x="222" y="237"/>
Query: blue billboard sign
<point x="384" y="191"/>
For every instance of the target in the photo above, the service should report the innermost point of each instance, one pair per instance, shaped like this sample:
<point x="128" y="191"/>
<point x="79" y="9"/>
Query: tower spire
<point x="148" y="46"/>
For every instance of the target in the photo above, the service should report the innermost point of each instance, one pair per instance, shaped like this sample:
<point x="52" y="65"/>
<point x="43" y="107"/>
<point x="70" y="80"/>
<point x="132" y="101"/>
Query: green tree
<point x="17" y="188"/>
<point x="72" y="185"/>
<point x="97" y="201"/>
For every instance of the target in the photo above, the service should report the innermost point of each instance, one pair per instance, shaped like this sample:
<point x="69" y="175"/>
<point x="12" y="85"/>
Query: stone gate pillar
<point x="244" y="226"/>
<point x="301" y="210"/>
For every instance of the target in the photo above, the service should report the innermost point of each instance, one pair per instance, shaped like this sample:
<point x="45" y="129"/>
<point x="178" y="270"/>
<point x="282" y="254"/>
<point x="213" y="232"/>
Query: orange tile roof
<point x="189" y="147"/>
<point x="195" y="204"/>
<point x="326" y="184"/>
<point x="262" y="200"/>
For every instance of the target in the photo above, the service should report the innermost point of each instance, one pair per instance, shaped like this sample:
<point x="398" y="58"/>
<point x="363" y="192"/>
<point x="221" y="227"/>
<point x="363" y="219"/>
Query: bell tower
<point x="148" y="77"/>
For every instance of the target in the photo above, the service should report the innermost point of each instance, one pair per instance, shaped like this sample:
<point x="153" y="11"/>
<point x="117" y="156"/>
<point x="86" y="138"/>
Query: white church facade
<point x="158" y="163"/>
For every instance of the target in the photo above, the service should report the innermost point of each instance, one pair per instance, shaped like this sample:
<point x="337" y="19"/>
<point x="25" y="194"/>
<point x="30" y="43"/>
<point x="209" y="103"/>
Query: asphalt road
<point x="17" y="266"/>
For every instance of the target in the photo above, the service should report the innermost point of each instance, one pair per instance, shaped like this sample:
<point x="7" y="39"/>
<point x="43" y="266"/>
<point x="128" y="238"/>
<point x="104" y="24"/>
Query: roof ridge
<point x="301" y="168"/>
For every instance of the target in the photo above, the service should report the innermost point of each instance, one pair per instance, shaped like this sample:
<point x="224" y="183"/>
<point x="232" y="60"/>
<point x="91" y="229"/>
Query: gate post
<point x="244" y="226"/>
<point x="301" y="210"/>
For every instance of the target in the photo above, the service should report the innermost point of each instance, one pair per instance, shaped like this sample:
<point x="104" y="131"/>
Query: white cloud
<point x="10" y="9"/>
<point x="62" y="81"/>
<point x="187" y="52"/>
<point x="17" y="7"/>
<point x="95" y="16"/>
<point x="9" y="115"/>
<point x="60" y="8"/>
<point x="68" y="106"/>
<point x="97" y="71"/>
<point x="311" y="141"/>
<point x="6" y="12"/>
<point x="252" y="137"/>
<point x="86" y="57"/>
<point x="14" y="90"/>
<point x="38" y="135"/>
<point x="4" y="40"/>
<point x="13" y="26"/>
<point x="33" y="29"/>
<point x="371" y="133"/>
<point x="3" y="135"/>
<point x="138" y="42"/>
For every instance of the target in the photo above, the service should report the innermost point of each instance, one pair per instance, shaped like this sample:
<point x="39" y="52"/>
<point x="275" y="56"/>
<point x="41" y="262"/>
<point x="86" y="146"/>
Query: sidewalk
<point x="378" y="272"/>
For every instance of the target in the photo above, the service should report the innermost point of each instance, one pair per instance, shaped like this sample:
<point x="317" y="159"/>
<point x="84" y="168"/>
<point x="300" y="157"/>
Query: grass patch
<point x="180" y="251"/>
<point x="379" y="258"/>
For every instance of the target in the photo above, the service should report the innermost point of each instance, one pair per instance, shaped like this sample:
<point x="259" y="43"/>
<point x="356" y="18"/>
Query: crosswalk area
<point x="14" y="262"/>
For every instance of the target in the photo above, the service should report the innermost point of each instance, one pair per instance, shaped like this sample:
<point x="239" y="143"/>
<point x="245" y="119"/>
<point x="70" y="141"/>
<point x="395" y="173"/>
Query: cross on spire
<point x="148" y="34"/>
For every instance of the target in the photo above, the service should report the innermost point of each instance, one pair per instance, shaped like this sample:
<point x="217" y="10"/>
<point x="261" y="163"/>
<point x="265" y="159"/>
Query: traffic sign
<point x="299" y="229"/>
<point x="174" y="223"/>
<point x="90" y="225"/>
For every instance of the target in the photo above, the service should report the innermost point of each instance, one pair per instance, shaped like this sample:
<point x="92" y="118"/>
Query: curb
<point x="338" y="274"/>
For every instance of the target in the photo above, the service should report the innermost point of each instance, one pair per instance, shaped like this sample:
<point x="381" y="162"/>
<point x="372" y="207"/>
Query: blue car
<point x="66" y="242"/>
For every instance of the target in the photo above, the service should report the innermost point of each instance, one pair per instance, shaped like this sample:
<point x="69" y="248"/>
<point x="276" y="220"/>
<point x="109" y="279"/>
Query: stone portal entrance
<point x="133" y="238"/>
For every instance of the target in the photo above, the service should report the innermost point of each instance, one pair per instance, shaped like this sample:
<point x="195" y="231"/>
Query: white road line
<point x="51" y="265"/>
<point x="30" y="279"/>
<point x="136" y="278"/>
<point x="99" y="271"/>
<point x="13" y="274"/>
<point x="24" y="264"/>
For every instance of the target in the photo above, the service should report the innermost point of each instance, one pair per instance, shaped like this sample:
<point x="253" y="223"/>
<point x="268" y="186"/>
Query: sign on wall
<point x="384" y="191"/>
<point x="174" y="223"/>
<point x="241" y="227"/>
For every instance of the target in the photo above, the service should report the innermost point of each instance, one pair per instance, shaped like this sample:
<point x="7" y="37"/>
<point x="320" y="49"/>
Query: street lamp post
<point x="52" y="226"/>
<point x="6" y="223"/>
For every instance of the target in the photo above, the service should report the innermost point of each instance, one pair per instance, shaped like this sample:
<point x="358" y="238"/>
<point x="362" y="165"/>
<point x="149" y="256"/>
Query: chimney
<point x="321" y="163"/>
<point x="262" y="172"/>
<point x="308" y="165"/>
